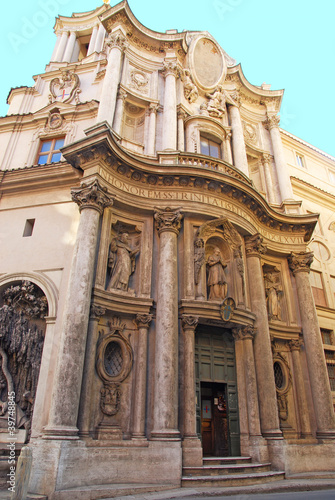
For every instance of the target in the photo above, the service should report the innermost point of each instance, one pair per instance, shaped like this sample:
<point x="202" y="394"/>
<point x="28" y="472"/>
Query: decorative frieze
<point x="300" y="262"/>
<point x="92" y="196"/>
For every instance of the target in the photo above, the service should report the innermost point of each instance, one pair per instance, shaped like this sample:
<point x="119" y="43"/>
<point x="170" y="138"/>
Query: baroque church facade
<point x="167" y="280"/>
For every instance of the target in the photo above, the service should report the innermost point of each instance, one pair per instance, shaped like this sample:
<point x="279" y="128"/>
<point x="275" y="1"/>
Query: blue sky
<point x="289" y="44"/>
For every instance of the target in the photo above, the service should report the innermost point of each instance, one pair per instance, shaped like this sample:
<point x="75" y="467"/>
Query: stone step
<point x="231" y="479"/>
<point x="225" y="460"/>
<point x="217" y="470"/>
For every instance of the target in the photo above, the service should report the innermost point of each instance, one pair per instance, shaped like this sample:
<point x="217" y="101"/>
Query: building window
<point x="330" y="360"/>
<point x="210" y="146"/>
<point x="28" y="228"/>
<point x="133" y="123"/>
<point x="317" y="289"/>
<point x="49" y="151"/>
<point x="300" y="161"/>
<point x="327" y="336"/>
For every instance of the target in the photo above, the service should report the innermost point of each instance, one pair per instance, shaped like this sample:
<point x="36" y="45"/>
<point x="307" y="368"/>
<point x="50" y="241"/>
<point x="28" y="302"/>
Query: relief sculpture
<point x="273" y="291"/>
<point x="216" y="281"/>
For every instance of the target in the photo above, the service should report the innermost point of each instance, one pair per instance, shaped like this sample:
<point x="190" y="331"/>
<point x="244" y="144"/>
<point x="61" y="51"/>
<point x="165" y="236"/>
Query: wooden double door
<point x="216" y="386"/>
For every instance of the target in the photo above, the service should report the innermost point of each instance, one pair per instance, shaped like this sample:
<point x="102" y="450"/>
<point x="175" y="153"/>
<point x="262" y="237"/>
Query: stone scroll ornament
<point x="66" y="88"/>
<point x="22" y="329"/>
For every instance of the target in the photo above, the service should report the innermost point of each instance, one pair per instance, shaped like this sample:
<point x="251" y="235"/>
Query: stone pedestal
<point x="192" y="449"/>
<point x="117" y="43"/>
<point x="92" y="200"/>
<point x="322" y="399"/>
<point x="143" y="322"/>
<point x="165" y="426"/>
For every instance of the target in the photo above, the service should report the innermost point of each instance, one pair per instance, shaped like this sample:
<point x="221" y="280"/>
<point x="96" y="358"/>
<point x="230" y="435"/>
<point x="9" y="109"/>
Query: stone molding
<point x="92" y="196"/>
<point x="168" y="220"/>
<point x="300" y="262"/>
<point x="244" y="332"/>
<point x="189" y="322"/>
<point x="143" y="320"/>
<point x="254" y="245"/>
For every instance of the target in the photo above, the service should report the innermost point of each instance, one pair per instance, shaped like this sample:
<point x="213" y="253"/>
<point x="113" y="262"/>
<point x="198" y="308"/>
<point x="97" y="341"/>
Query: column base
<point x="192" y="452"/>
<point x="167" y="434"/>
<point x="277" y="453"/>
<point x="273" y="434"/>
<point x="61" y="432"/>
<point x="325" y="434"/>
<point x="139" y="436"/>
<point x="258" y="449"/>
<point x="109" y="432"/>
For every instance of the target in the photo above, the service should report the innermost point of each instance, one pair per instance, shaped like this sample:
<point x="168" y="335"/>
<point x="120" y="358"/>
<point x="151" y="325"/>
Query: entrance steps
<point x="229" y="471"/>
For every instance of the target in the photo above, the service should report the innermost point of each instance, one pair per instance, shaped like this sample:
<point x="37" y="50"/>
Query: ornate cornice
<point x="92" y="196"/>
<point x="189" y="322"/>
<point x="143" y="320"/>
<point x="168" y="220"/>
<point x="254" y="245"/>
<point x="300" y="262"/>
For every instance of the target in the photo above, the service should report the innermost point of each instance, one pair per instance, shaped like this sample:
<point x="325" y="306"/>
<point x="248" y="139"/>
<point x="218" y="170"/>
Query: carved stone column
<point x="192" y="450"/>
<point x="89" y="368"/>
<point x="322" y="399"/>
<point x="69" y="47"/>
<point x="99" y="44"/>
<point x="303" y="408"/>
<point x="228" y="155"/>
<point x="54" y="53"/>
<point x="92" y="200"/>
<point x="117" y="43"/>
<point x="117" y="123"/>
<point x="242" y="393"/>
<point x="257" y="445"/>
<point x="266" y="162"/>
<point x="272" y="124"/>
<point x="91" y="47"/>
<point x="181" y="132"/>
<point x="170" y="73"/>
<point x="61" y="47"/>
<point x="262" y="344"/>
<point x="239" y="152"/>
<point x="168" y="224"/>
<point x="143" y="322"/>
<point x="153" y="108"/>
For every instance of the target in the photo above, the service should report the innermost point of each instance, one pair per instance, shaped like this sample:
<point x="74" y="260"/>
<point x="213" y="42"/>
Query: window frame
<point x="215" y="140"/>
<point x="49" y="154"/>
<point x="300" y="160"/>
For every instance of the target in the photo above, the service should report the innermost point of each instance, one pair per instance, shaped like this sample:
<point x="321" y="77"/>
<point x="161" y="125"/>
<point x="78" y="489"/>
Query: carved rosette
<point x="300" y="262"/>
<point x="244" y="332"/>
<point x="189" y="322"/>
<point x="271" y="121"/>
<point x="117" y="41"/>
<point x="143" y="320"/>
<point x="96" y="312"/>
<point x="168" y="220"/>
<point x="295" y="345"/>
<point x="92" y="196"/>
<point x="254" y="245"/>
<point x="170" y="68"/>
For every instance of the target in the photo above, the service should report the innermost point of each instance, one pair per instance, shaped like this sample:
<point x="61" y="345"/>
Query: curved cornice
<point x="84" y="19"/>
<point x="183" y="171"/>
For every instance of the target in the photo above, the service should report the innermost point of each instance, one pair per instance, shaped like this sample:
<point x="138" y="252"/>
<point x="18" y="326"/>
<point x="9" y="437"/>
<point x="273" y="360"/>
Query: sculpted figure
<point x="190" y="90"/>
<point x="273" y="291"/>
<point x="121" y="262"/>
<point x="217" y="102"/>
<point x="216" y="276"/>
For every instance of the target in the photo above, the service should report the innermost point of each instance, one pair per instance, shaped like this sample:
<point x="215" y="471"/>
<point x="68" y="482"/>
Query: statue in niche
<point x="216" y="280"/>
<point x="217" y="103"/>
<point x="121" y="261"/>
<point x="21" y="343"/>
<point x="273" y="291"/>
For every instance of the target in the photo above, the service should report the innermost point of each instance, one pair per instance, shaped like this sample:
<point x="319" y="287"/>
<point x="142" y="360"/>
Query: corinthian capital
<point x="117" y="40"/>
<point x="244" y="332"/>
<point x="254" y="245"/>
<point x="143" y="320"/>
<point x="92" y="196"/>
<point x="295" y="344"/>
<point x="168" y="220"/>
<point x="189" y="322"/>
<point x="300" y="262"/>
<point x="271" y="121"/>
<point x="170" y="68"/>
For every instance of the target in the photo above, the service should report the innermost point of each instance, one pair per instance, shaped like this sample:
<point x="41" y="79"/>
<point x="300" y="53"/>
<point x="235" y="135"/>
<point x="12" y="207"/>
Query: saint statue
<point x="217" y="102"/>
<point x="121" y="262"/>
<point x="273" y="291"/>
<point x="216" y="276"/>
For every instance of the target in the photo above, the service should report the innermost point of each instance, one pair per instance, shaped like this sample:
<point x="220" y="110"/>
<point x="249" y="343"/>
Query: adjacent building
<point x="167" y="270"/>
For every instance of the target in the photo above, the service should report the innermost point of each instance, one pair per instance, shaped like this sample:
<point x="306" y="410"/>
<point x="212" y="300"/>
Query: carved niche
<point x="123" y="250"/>
<point x="66" y="88"/>
<point x="114" y="361"/>
<point x="283" y="382"/>
<point x="215" y="243"/>
<point x="22" y="329"/>
<point x="273" y="292"/>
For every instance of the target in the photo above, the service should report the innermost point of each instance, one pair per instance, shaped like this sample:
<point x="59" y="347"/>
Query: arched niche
<point x="218" y="260"/>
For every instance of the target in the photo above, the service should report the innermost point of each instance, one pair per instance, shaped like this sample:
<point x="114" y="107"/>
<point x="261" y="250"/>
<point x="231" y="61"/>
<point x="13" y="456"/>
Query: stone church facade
<point x="167" y="277"/>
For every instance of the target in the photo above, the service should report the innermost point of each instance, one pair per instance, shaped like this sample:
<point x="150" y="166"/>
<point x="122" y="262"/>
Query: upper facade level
<point x="160" y="93"/>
